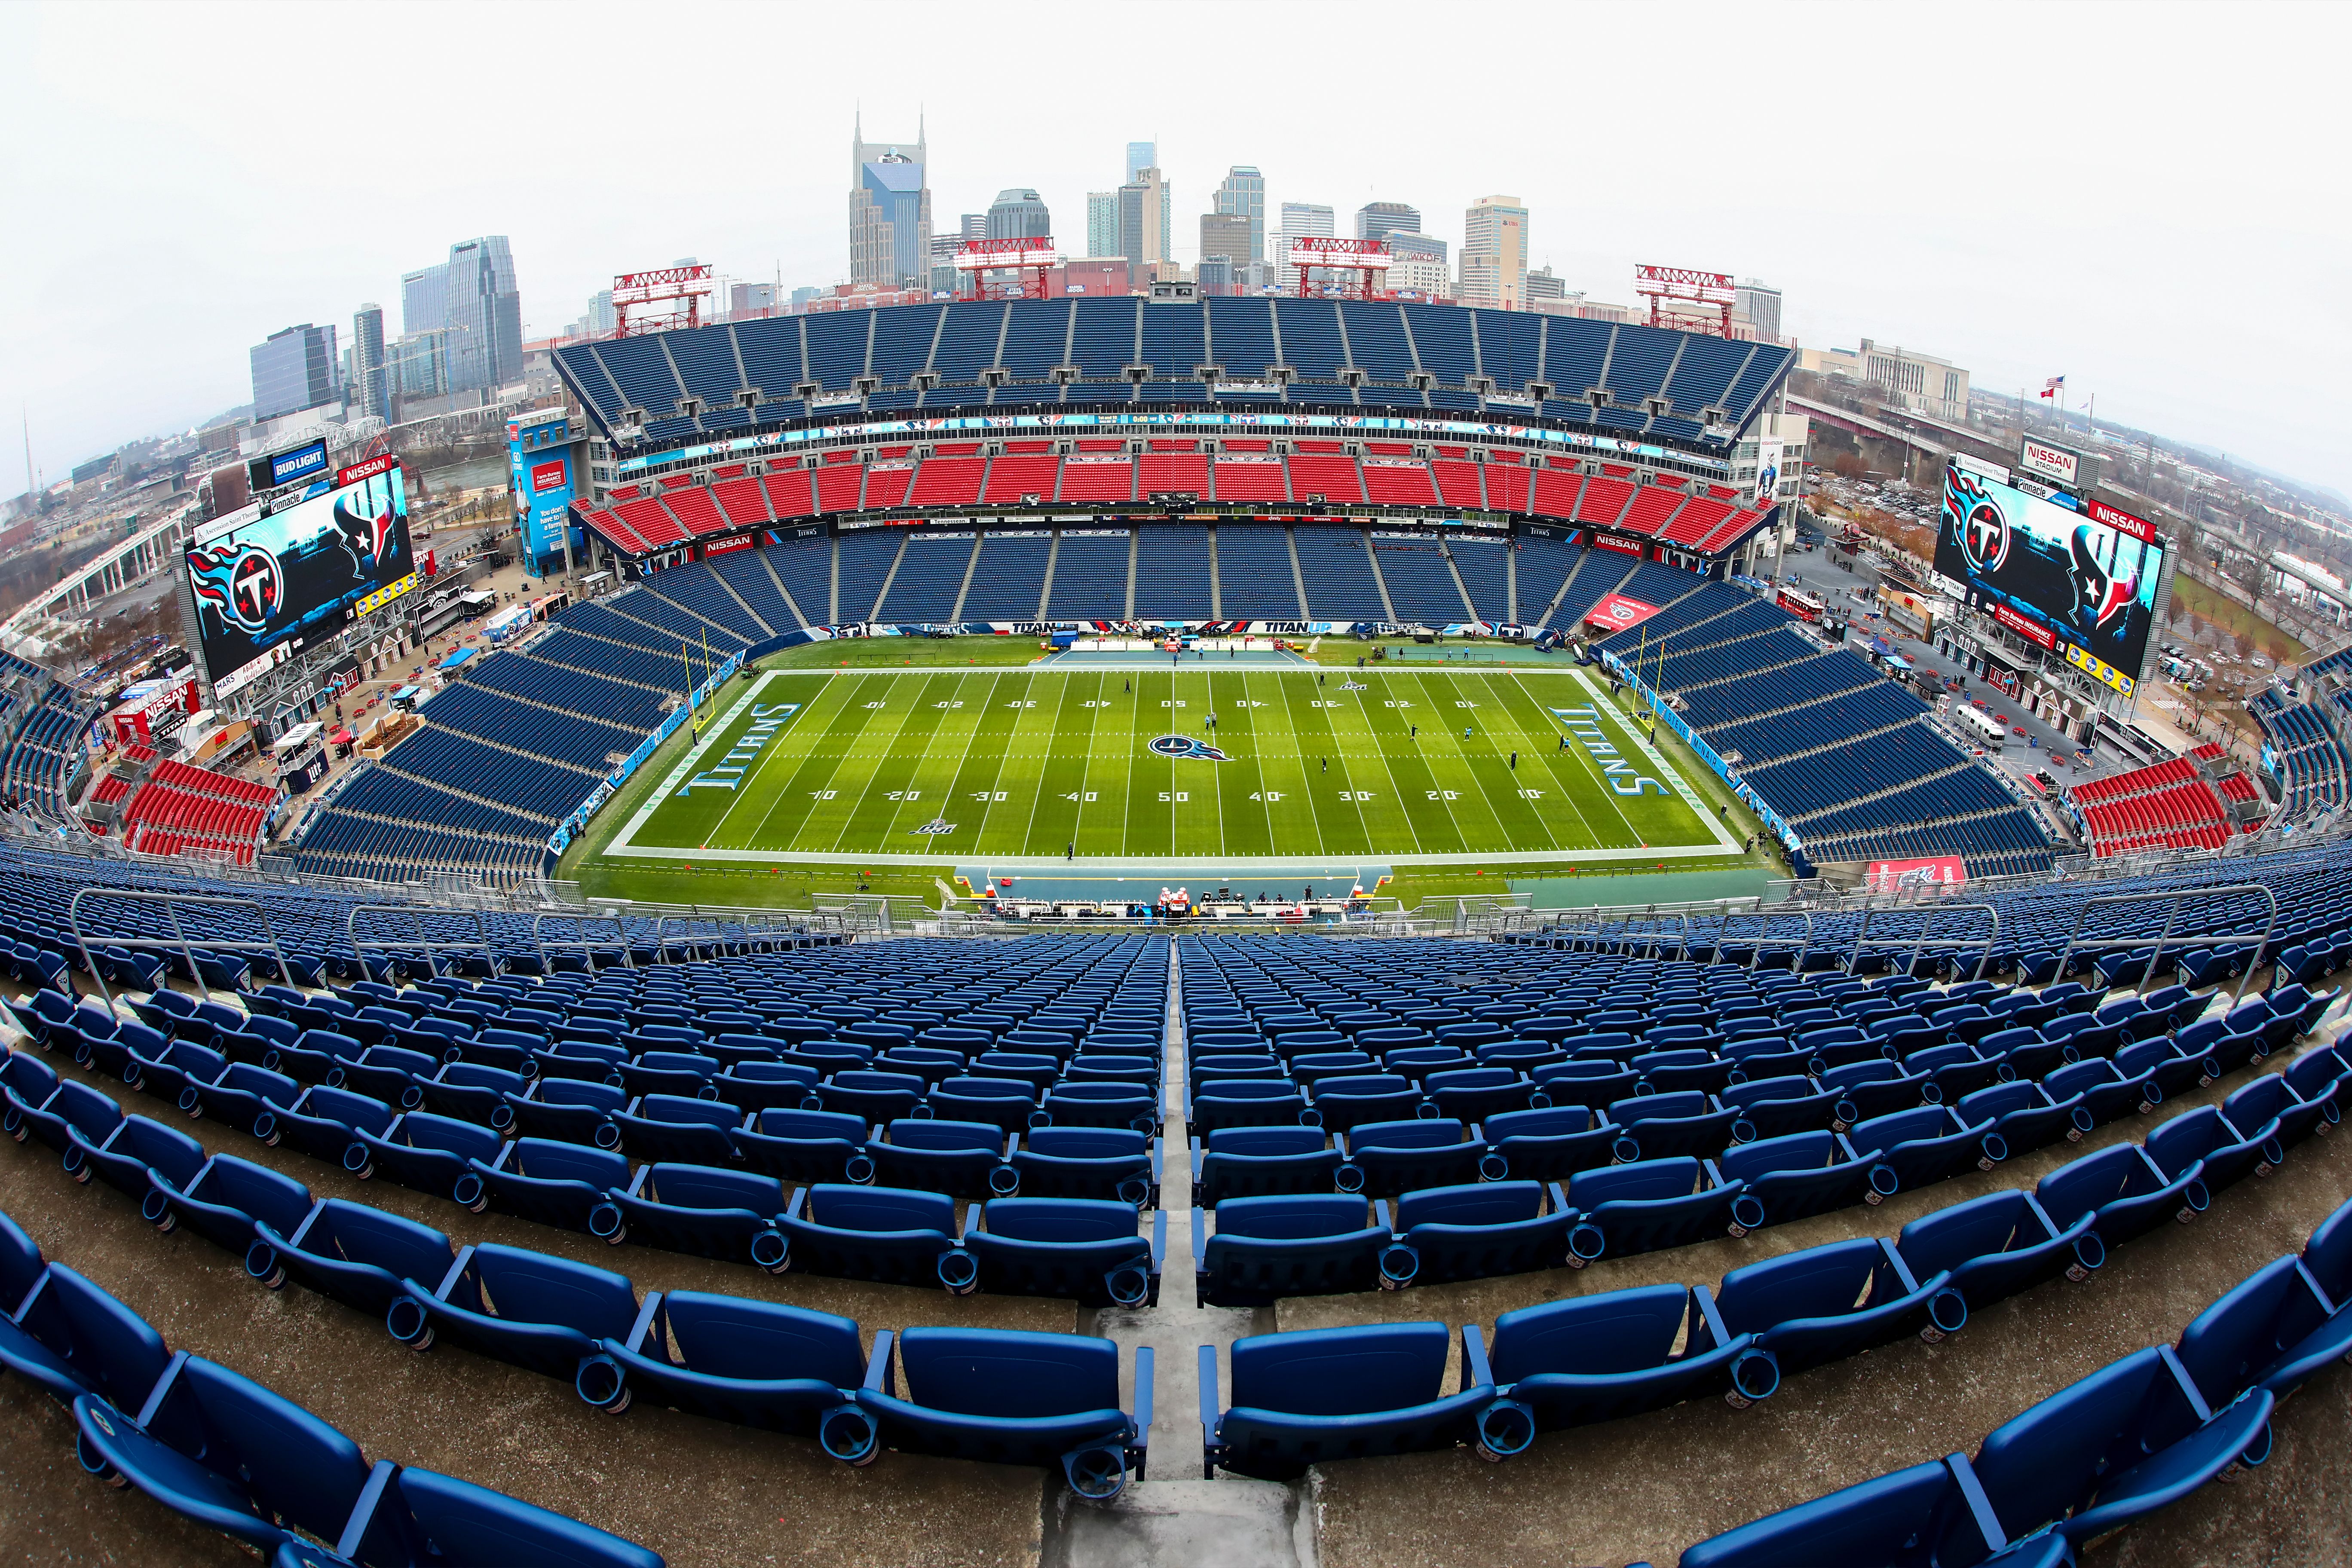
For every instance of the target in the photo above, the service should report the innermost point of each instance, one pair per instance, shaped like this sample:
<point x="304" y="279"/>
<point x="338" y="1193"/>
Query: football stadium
<point x="1165" y="927"/>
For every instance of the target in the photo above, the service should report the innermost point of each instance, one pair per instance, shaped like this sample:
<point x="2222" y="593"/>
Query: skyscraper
<point x="1378" y="220"/>
<point x="1421" y="247"/>
<point x="1141" y="155"/>
<point x="1144" y="213"/>
<point x="889" y="210"/>
<point x="371" y="391"/>
<point x="1019" y="213"/>
<point x="293" y="370"/>
<point x="1243" y="196"/>
<point x="1760" y="303"/>
<point x="972" y="225"/>
<point x="1226" y="236"/>
<point x="1299" y="220"/>
<point x="424" y="299"/>
<point x="485" y="315"/>
<point x="1495" y="253"/>
<point x="1102" y="223"/>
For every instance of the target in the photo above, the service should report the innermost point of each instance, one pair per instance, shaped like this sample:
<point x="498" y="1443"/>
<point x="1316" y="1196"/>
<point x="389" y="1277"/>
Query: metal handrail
<point x="430" y="946"/>
<point x="588" y="945"/>
<point x="2175" y="897"/>
<point x="1804" y="938"/>
<point x="1862" y="936"/>
<point x="179" y="941"/>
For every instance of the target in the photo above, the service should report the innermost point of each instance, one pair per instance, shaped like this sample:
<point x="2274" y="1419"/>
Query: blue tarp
<point x="455" y="659"/>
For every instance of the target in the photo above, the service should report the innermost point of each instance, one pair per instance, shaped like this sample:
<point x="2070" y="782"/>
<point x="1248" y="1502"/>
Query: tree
<point x="2243" y="642"/>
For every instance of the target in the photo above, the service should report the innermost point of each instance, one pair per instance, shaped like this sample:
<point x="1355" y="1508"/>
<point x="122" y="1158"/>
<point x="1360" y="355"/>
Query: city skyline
<point x="119" y="125"/>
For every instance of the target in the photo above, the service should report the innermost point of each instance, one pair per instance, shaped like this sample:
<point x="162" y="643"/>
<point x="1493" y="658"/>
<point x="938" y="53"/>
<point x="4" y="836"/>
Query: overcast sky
<point x="2149" y="200"/>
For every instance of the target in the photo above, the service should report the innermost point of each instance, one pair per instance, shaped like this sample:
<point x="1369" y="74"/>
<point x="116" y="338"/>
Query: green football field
<point x="1148" y="764"/>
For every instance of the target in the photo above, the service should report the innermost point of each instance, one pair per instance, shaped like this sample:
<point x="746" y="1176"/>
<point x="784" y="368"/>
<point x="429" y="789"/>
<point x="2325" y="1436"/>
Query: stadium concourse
<point x="1873" y="1235"/>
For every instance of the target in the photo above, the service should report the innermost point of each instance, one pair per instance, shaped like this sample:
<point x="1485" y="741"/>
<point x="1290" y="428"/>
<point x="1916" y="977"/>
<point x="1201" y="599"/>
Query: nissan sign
<point x="2050" y="462"/>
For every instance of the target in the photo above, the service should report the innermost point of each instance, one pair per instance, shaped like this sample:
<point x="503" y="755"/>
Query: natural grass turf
<point x="975" y="763"/>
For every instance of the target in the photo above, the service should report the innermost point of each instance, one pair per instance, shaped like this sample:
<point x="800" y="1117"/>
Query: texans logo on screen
<point x="365" y="537"/>
<point x="1182" y="746"/>
<point x="2100" y="593"/>
<point x="245" y="584"/>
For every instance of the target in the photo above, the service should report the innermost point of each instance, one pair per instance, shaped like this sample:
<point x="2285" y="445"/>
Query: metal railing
<point x="178" y="941"/>
<point x="589" y="946"/>
<point x="432" y="947"/>
<point x="1919" y="940"/>
<point x="1757" y="944"/>
<point x="2175" y="898"/>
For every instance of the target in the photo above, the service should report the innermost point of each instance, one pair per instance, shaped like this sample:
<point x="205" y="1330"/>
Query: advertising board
<point x="540" y="477"/>
<point x="1617" y="612"/>
<point x="279" y="469"/>
<point x="2077" y="582"/>
<point x="1768" y="473"/>
<point x="264" y="586"/>
<point x="1942" y="874"/>
<point x="2051" y="462"/>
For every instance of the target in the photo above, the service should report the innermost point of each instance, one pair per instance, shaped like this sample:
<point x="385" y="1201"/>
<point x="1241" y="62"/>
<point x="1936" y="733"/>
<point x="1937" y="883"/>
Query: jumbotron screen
<point x="264" y="587"/>
<point x="2081" y="584"/>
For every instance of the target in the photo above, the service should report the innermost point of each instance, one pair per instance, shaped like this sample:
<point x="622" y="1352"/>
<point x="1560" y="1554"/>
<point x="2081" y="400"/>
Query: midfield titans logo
<point x="245" y="584"/>
<point x="1180" y="746"/>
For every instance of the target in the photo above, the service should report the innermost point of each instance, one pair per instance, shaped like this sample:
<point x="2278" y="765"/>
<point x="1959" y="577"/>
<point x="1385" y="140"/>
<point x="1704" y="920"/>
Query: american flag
<point x="2054" y="385"/>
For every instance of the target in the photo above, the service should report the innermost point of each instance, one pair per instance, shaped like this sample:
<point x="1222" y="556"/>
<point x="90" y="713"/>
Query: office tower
<point x="424" y="299"/>
<point x="1495" y="253"/>
<point x="1143" y="218"/>
<point x="1226" y="236"/>
<point x="972" y="225"/>
<point x="600" y="313"/>
<point x="1141" y="155"/>
<point x="751" y="299"/>
<point x="1243" y="196"/>
<point x="370" y="383"/>
<point x="1102" y="223"/>
<point x="1019" y="213"/>
<point x="420" y="363"/>
<point x="1299" y="221"/>
<point x="1378" y="220"/>
<point x="889" y="210"/>
<point x="1418" y="248"/>
<point x="1215" y="274"/>
<point x="293" y="370"/>
<point x="484" y="315"/>
<point x="1420" y="276"/>
<point x="1760" y="303"/>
